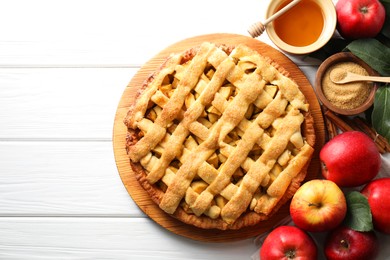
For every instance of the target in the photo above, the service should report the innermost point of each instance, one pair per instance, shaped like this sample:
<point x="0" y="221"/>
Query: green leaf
<point x="374" y="53"/>
<point x="359" y="216"/>
<point x="380" y="117"/>
<point x="333" y="46"/>
<point x="377" y="55"/>
<point x="383" y="39"/>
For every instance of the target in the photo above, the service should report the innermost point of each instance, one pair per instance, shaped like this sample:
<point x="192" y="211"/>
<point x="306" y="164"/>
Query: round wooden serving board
<point x="141" y="197"/>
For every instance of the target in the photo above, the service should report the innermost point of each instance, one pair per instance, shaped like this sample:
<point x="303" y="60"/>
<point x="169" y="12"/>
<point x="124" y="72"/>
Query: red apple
<point x="288" y="242"/>
<point x="318" y="205"/>
<point x="359" y="18"/>
<point x="378" y="195"/>
<point x="345" y="243"/>
<point x="350" y="159"/>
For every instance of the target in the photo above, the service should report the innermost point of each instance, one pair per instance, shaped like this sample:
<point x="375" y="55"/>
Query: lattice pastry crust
<point x="220" y="137"/>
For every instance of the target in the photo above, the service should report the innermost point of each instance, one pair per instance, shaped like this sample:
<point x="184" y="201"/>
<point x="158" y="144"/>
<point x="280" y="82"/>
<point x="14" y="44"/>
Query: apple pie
<point x="220" y="136"/>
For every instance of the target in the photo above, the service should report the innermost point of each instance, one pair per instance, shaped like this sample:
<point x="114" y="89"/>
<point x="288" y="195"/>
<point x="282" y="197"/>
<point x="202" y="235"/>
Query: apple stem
<point x="364" y="9"/>
<point x="317" y="205"/>
<point x="344" y="243"/>
<point x="290" y="254"/>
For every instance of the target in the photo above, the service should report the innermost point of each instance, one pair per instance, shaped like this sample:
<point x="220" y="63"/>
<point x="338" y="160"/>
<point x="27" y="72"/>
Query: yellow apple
<point x="318" y="205"/>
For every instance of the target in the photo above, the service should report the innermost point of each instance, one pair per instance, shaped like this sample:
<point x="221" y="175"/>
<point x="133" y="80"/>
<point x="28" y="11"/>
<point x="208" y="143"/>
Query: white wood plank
<point x="62" y="178"/>
<point x="118" y="238"/>
<point x="101" y="238"/>
<point x="60" y="103"/>
<point x="310" y="73"/>
<point x="110" y="31"/>
<point x="67" y="178"/>
<point x="113" y="32"/>
<point x="52" y="103"/>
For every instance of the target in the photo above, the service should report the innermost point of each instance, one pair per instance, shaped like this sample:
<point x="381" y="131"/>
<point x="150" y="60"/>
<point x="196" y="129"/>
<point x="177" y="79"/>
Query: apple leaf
<point x="373" y="52"/>
<point x="377" y="55"/>
<point x="381" y="114"/>
<point x="334" y="46"/>
<point x="359" y="216"/>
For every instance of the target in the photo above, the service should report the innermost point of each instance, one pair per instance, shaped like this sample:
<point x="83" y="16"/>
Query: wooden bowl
<point x="334" y="59"/>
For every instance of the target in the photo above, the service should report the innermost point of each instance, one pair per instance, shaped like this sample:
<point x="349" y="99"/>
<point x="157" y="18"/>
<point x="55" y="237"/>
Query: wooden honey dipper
<point x="258" y="28"/>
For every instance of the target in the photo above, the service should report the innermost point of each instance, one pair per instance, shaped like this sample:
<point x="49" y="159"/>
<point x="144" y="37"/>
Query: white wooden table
<point x="63" y="68"/>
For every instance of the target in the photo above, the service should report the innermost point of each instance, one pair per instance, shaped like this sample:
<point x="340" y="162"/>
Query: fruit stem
<point x="290" y="254"/>
<point x="363" y="9"/>
<point x="317" y="205"/>
<point x="344" y="243"/>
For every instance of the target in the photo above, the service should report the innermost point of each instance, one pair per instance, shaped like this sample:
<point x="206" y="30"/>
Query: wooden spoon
<point x="340" y="76"/>
<point x="258" y="28"/>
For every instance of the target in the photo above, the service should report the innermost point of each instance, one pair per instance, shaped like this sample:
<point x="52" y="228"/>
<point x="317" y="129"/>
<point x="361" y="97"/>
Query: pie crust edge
<point x="248" y="218"/>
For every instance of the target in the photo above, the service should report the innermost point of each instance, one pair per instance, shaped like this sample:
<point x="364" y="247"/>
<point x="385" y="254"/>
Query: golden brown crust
<point x="156" y="194"/>
<point x="247" y="218"/>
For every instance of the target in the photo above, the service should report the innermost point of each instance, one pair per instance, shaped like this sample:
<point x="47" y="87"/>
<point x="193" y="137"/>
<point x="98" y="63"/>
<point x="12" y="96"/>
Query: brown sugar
<point x="349" y="95"/>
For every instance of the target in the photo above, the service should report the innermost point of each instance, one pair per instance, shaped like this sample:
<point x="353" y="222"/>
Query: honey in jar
<point x="300" y="26"/>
